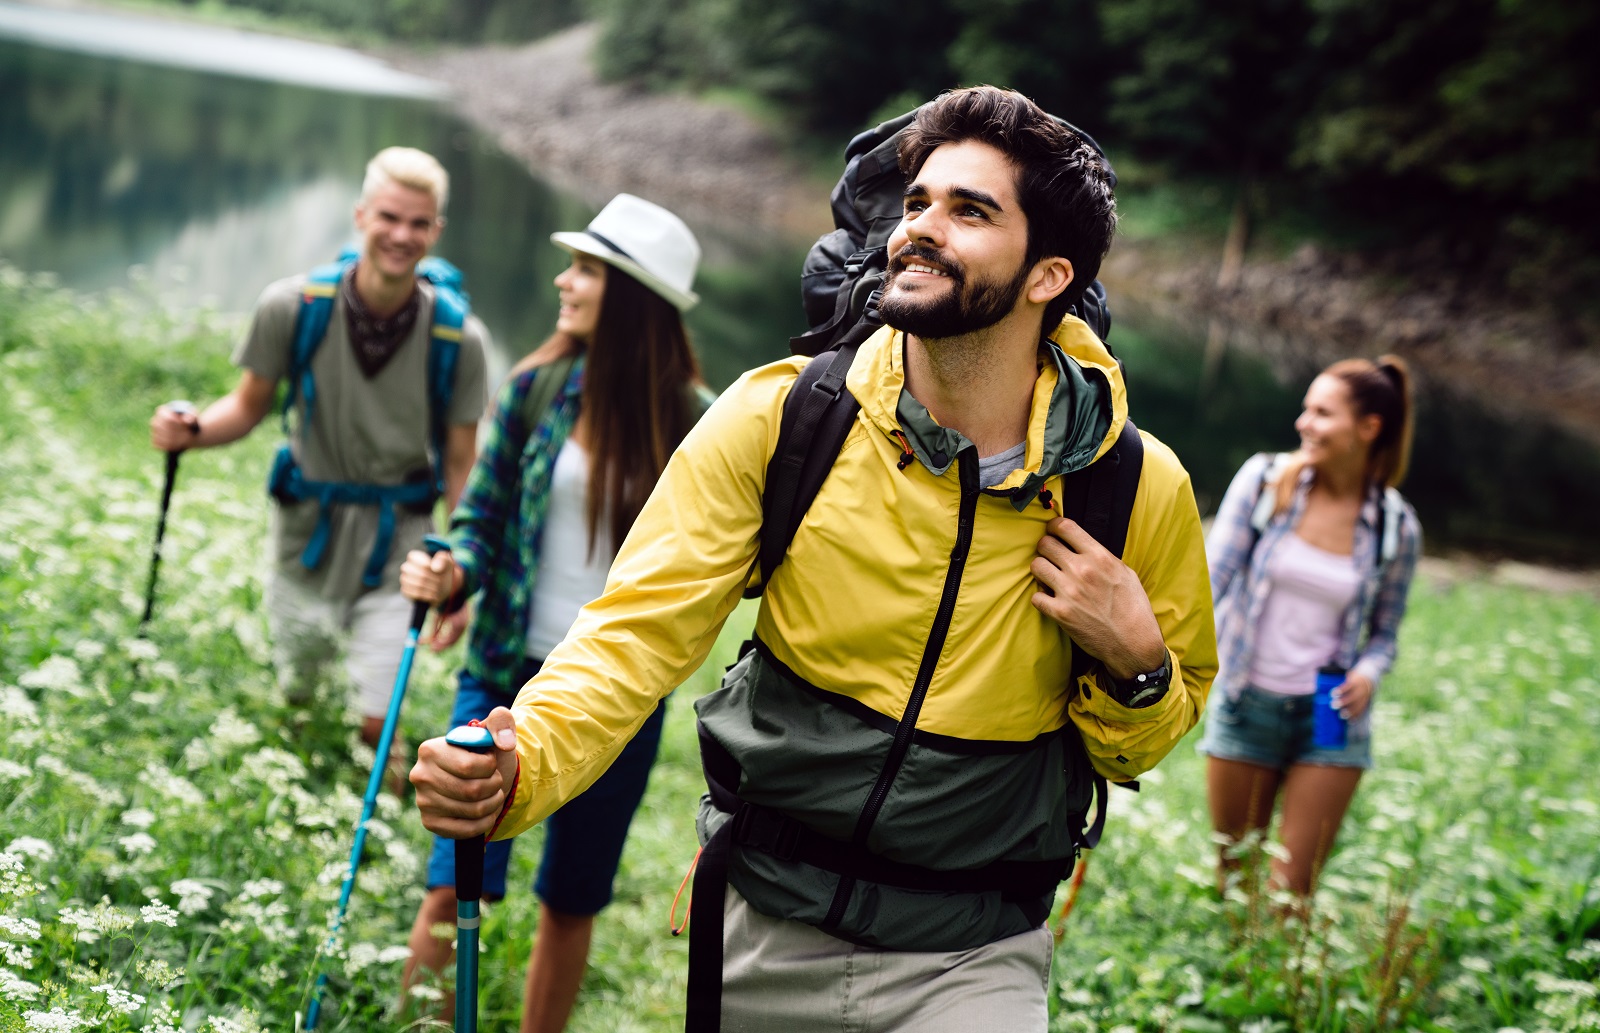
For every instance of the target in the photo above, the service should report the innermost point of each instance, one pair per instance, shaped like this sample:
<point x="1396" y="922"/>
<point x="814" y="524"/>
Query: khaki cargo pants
<point x="781" y="975"/>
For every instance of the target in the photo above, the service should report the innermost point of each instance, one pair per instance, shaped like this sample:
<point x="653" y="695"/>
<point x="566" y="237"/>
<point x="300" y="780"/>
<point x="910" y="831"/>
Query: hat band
<point x="608" y="242"/>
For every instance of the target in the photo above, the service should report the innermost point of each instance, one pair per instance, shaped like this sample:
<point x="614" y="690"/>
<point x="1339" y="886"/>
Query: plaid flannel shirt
<point x="1239" y="586"/>
<point x="498" y="525"/>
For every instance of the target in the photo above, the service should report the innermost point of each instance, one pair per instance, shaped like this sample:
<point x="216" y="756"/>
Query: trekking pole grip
<point x="469" y="852"/>
<point x="419" y="609"/>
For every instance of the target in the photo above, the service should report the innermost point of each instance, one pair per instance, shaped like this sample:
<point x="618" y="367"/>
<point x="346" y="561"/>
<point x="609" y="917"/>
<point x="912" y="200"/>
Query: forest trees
<point x="1464" y="130"/>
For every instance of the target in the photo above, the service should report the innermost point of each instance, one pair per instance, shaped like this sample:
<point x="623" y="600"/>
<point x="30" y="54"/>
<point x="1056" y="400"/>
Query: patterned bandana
<point x="375" y="340"/>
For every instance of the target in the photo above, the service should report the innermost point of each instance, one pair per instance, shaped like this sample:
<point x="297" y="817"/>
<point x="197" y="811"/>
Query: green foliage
<point x="171" y="828"/>
<point x="1466" y="126"/>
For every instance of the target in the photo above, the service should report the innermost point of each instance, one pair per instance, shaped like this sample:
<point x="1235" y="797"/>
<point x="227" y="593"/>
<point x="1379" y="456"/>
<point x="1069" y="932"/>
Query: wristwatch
<point x="1143" y="690"/>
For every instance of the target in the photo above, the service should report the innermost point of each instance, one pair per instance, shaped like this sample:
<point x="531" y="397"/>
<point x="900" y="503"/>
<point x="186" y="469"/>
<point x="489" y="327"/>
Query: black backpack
<point x="839" y="286"/>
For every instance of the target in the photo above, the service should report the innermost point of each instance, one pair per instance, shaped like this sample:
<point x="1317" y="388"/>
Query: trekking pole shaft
<point x="161" y="533"/>
<point x="380" y="765"/>
<point x="469" y="888"/>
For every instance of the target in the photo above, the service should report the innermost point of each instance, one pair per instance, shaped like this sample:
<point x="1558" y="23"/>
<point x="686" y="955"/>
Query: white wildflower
<point x="361" y="956"/>
<point x="11" y="771"/>
<point x="19" y="928"/>
<point x="14" y="988"/>
<point x="390" y="955"/>
<point x="230" y="731"/>
<point x="17" y="955"/>
<point x="89" y="649"/>
<point x="245" y="1023"/>
<point x="197" y="754"/>
<point x="119" y="1000"/>
<point x="159" y="914"/>
<point x="255" y="889"/>
<point x="14" y="878"/>
<point x="138" y="818"/>
<point x="164" y="1019"/>
<point x="56" y="1020"/>
<point x="51" y="763"/>
<point x="140" y="648"/>
<point x="426" y="993"/>
<point x="18" y="706"/>
<point x="194" y="896"/>
<point x="56" y="674"/>
<point x="138" y="844"/>
<point x="174" y="787"/>
<point x="276" y="769"/>
<point x="30" y="846"/>
<point x="158" y="973"/>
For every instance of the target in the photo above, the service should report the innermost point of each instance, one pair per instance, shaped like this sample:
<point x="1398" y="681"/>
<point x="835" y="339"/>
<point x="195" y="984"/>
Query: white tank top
<point x="1300" y="623"/>
<point x="569" y="576"/>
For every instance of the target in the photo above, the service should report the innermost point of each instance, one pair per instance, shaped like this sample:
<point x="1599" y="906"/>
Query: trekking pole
<point x="469" y="887"/>
<point x="380" y="766"/>
<point x="182" y="409"/>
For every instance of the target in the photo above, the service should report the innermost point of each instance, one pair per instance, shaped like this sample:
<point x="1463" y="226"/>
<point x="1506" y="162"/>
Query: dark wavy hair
<point x="1063" y="184"/>
<point x="636" y="397"/>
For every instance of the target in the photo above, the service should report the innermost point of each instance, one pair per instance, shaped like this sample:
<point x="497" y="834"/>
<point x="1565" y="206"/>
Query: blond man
<point x="375" y="432"/>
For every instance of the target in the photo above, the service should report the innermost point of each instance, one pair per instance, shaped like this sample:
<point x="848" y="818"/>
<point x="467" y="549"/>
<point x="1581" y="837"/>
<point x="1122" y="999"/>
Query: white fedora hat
<point x="645" y="241"/>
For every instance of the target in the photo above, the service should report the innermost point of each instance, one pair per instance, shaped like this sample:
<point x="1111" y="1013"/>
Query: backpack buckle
<point x="767" y="831"/>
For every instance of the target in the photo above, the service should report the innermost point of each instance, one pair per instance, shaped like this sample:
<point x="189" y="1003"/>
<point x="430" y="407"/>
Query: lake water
<point x="199" y="164"/>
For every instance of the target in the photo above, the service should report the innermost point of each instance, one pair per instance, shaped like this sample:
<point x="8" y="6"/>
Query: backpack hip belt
<point x="289" y="485"/>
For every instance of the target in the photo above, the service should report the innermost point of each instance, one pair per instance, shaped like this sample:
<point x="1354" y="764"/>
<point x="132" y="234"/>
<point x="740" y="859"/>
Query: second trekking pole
<point x="469" y="888"/>
<point x="380" y="766"/>
<point x="182" y="409"/>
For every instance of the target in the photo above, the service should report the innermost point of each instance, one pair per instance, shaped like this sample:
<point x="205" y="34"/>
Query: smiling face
<point x="958" y="258"/>
<point x="398" y="225"/>
<point x="582" y="285"/>
<point x="1332" y="433"/>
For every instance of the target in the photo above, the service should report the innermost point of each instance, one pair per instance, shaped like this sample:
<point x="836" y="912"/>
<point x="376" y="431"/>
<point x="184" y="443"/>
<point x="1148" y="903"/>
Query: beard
<point x="965" y="308"/>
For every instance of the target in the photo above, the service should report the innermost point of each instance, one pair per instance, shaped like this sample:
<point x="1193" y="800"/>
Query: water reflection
<point x="218" y="185"/>
<point x="1478" y="480"/>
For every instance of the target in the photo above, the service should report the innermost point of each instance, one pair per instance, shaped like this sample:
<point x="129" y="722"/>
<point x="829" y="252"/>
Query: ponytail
<point x="1382" y="389"/>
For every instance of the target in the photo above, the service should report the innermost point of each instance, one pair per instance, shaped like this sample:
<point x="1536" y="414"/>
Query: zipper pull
<point x="1047" y="500"/>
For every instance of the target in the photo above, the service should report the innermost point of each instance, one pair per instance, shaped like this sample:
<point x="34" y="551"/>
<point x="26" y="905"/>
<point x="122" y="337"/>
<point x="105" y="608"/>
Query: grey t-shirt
<point x="996" y="468"/>
<point x="362" y="431"/>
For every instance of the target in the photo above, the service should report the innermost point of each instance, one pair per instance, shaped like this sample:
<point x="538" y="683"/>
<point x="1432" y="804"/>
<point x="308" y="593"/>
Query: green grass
<point x="1464" y="896"/>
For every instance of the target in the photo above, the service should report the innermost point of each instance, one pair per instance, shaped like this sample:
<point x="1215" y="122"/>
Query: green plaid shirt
<point x="497" y="527"/>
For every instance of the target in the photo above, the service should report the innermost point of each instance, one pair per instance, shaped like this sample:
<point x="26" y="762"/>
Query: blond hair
<point x="407" y="167"/>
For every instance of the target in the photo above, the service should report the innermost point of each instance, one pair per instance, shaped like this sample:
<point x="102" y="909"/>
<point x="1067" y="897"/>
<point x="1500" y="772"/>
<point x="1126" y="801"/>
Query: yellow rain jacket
<point x="842" y="663"/>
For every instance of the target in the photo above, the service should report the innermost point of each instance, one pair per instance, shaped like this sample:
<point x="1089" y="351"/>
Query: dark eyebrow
<point x="964" y="193"/>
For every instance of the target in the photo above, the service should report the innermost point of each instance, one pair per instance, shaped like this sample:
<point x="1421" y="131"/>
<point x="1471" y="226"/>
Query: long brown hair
<point x="1379" y="388"/>
<point x="638" y="377"/>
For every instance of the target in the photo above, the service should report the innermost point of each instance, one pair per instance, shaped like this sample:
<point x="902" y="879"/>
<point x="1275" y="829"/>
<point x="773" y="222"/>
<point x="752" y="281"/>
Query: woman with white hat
<point x="581" y="432"/>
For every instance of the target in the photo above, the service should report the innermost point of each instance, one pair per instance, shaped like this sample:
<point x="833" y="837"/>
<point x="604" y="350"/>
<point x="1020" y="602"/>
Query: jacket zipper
<point x="967" y="465"/>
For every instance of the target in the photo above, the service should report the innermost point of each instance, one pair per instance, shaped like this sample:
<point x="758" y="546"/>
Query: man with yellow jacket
<point x="900" y="744"/>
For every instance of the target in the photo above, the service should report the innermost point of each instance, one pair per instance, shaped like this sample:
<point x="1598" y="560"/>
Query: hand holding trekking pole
<point x="469" y="888"/>
<point x="434" y="578"/>
<point x="170" y="429"/>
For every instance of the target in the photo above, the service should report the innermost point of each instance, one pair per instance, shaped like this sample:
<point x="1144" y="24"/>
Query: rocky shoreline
<point x="543" y="104"/>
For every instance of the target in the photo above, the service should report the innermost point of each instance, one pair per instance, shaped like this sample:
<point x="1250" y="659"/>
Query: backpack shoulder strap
<point x="817" y="417"/>
<point x="547" y="383"/>
<point x="1100" y="496"/>
<point x="450" y="311"/>
<point x="310" y="327"/>
<point x="1391" y="514"/>
<point x="1266" y="502"/>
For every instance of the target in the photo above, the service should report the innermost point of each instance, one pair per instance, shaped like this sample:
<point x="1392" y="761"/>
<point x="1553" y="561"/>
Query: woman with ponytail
<point x="581" y="432"/>
<point x="1312" y="554"/>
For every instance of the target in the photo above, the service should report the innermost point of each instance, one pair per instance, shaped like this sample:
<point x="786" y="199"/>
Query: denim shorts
<point x="583" y="840"/>
<point x="1274" y="731"/>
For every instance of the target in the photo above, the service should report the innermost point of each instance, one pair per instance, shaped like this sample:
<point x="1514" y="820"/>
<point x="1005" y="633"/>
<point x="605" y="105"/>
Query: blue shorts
<point x="583" y="840"/>
<point x="1274" y="731"/>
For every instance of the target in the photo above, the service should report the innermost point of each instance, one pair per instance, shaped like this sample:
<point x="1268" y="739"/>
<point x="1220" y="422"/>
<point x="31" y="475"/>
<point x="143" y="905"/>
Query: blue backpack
<point x="289" y="485"/>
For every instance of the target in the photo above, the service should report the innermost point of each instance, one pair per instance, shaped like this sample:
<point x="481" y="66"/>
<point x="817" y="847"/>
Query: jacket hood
<point x="1079" y="407"/>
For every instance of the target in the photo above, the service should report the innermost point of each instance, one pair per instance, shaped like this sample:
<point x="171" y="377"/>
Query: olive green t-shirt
<point x="362" y="431"/>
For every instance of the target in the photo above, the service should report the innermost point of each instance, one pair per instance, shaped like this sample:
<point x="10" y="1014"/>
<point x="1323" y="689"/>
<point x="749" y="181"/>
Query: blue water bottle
<point x="1328" y="726"/>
